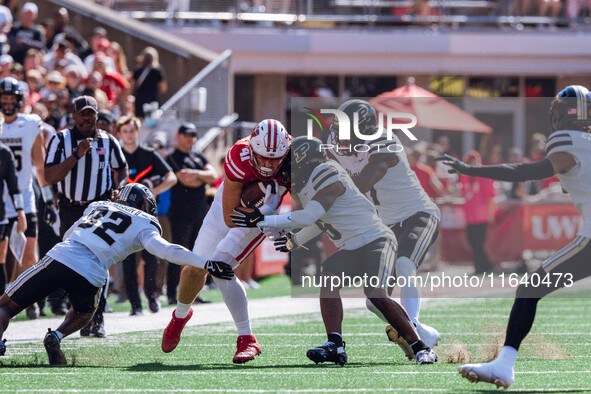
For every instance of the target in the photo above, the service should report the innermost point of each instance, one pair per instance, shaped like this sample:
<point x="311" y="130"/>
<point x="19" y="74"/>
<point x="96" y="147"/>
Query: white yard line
<point x="118" y="323"/>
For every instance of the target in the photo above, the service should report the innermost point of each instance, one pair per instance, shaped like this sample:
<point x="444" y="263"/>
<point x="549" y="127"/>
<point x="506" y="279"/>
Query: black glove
<point x="51" y="213"/>
<point x="285" y="244"/>
<point x="457" y="166"/>
<point x="219" y="269"/>
<point x="247" y="219"/>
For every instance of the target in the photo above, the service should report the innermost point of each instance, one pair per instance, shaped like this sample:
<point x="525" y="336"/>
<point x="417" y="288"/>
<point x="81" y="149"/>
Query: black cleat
<point x="328" y="352"/>
<point x="2" y="347"/>
<point x="52" y="347"/>
<point x="153" y="305"/>
<point x="86" y="331"/>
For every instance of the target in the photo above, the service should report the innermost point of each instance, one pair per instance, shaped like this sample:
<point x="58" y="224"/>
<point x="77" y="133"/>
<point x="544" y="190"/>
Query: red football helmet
<point x="269" y="141"/>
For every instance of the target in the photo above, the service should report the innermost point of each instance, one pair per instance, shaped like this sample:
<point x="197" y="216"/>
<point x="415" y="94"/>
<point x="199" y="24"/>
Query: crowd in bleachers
<point x="55" y="64"/>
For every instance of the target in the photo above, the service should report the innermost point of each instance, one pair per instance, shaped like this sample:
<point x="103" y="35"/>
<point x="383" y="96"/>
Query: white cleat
<point x="488" y="372"/>
<point x="428" y="335"/>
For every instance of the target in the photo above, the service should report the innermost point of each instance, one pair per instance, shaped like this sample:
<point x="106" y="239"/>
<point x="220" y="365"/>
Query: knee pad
<point x="405" y="267"/>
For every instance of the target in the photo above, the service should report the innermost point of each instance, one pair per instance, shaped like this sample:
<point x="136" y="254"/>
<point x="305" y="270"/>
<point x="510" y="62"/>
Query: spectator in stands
<point x="6" y="63"/>
<point x="116" y="53"/>
<point x="54" y="82"/>
<point x="73" y="80"/>
<point x="5" y="26"/>
<point x="114" y="85"/>
<point x="97" y="34"/>
<point x="107" y="121"/>
<point x="479" y="209"/>
<point x="148" y="81"/>
<point x="47" y="27"/>
<point x="34" y="80"/>
<point x="63" y="30"/>
<point x="93" y="88"/>
<point x="101" y="47"/>
<point x="62" y="51"/>
<point x="34" y="60"/>
<point x="426" y="174"/>
<point x="25" y="34"/>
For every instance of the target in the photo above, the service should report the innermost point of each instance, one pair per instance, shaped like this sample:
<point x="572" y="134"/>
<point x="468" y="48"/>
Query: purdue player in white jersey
<point x="380" y="169"/>
<point x="106" y="234"/>
<point x="332" y="204"/>
<point x="568" y="155"/>
<point x="22" y="134"/>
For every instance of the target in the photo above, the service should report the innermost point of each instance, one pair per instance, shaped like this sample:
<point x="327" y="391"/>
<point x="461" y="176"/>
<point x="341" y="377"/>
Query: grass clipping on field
<point x="536" y="345"/>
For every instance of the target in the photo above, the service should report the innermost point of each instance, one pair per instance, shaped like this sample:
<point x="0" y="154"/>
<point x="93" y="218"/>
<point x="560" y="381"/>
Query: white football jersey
<point x="399" y="194"/>
<point x="20" y="136"/>
<point x="577" y="181"/>
<point x="106" y="234"/>
<point x="352" y="221"/>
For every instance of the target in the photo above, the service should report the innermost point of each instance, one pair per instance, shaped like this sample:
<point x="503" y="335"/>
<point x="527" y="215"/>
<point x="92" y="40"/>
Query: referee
<point x="79" y="161"/>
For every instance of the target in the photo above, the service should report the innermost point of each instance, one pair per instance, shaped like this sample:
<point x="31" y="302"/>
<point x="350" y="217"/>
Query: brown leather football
<point x="254" y="193"/>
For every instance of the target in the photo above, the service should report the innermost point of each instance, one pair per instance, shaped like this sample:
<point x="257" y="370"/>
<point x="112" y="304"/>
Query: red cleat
<point x="172" y="333"/>
<point x="247" y="348"/>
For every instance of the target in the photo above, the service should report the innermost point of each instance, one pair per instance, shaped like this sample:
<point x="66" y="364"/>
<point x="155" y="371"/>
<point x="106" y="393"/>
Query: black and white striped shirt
<point x="91" y="176"/>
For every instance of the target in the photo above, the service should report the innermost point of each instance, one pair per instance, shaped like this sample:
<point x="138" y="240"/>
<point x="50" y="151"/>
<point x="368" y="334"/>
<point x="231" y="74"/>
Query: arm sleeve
<point x="519" y="172"/>
<point x="306" y="234"/>
<point x="172" y="253"/>
<point x="296" y="219"/>
<point x="11" y="178"/>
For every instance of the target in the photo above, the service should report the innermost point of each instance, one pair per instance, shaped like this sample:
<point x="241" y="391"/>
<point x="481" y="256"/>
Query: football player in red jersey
<point x="255" y="158"/>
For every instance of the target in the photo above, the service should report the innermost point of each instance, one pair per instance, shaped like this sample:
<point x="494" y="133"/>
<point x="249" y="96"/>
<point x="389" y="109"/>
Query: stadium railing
<point x="318" y="14"/>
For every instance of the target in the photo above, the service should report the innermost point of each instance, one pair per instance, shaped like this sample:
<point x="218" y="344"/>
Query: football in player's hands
<point x="255" y="193"/>
<point x="244" y="218"/>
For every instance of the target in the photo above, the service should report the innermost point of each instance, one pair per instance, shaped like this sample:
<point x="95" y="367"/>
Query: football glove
<point x="457" y="166"/>
<point x="219" y="269"/>
<point x="247" y="219"/>
<point x="285" y="244"/>
<point x="51" y="213"/>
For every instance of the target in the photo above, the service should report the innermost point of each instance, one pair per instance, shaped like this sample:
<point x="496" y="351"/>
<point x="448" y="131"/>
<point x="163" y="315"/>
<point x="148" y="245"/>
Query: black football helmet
<point x="571" y="109"/>
<point x="306" y="154"/>
<point x="284" y="172"/>
<point x="11" y="86"/>
<point x="367" y="121"/>
<point x="137" y="196"/>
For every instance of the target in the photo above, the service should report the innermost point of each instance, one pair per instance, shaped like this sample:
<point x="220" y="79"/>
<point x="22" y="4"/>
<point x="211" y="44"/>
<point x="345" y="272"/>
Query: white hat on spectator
<point x="72" y="69"/>
<point x="5" y="15"/>
<point x="30" y="7"/>
<point x="55" y="76"/>
<point x="5" y="59"/>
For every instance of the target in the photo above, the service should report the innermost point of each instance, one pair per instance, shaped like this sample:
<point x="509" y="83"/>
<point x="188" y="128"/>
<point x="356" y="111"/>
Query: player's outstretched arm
<point x="180" y="255"/>
<point x="314" y="210"/>
<point x="518" y="172"/>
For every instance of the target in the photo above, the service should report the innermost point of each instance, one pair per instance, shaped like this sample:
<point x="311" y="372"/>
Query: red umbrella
<point x="432" y="111"/>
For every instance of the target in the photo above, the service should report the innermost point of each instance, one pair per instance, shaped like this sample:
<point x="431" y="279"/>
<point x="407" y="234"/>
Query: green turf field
<point x="556" y="356"/>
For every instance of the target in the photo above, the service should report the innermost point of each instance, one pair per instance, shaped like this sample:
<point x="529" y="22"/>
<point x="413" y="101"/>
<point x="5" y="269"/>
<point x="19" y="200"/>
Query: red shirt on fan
<point x="477" y="191"/>
<point x="425" y="174"/>
<point x="238" y="167"/>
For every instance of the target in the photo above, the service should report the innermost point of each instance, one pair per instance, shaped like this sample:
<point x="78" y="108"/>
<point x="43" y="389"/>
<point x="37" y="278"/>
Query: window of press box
<point x="447" y="86"/>
<point x="493" y="87"/>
